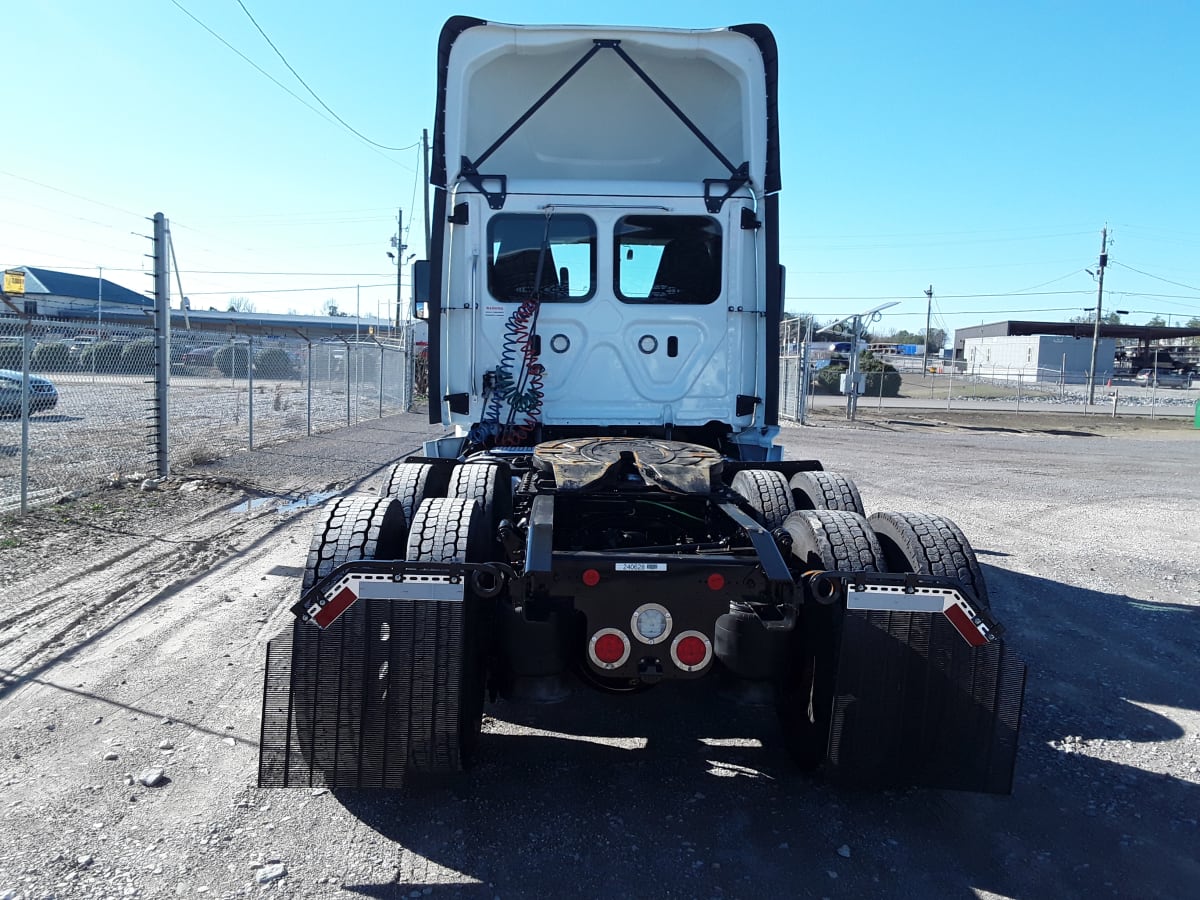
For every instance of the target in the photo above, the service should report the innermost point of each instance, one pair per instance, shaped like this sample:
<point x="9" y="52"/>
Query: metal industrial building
<point x="1046" y="349"/>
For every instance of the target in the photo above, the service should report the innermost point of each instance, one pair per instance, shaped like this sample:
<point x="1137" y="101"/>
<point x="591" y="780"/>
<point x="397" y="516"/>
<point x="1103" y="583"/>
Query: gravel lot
<point x="133" y="627"/>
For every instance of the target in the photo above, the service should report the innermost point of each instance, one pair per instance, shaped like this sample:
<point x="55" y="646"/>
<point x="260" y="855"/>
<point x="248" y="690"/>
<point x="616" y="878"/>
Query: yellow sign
<point x="14" y="281"/>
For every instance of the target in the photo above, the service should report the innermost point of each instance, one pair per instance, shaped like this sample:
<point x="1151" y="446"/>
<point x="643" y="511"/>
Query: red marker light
<point x="716" y="581"/>
<point x="591" y="577"/>
<point x="691" y="651"/>
<point x="609" y="649"/>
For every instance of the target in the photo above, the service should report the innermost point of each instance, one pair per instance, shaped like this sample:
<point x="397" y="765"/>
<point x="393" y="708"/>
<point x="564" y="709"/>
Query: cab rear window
<point x="667" y="259"/>
<point x="551" y="257"/>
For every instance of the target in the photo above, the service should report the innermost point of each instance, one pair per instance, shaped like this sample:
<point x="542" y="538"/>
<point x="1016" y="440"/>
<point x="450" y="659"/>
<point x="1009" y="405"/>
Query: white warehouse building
<point x="1037" y="357"/>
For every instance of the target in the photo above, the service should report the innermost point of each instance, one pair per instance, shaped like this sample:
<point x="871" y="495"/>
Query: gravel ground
<point x="133" y="626"/>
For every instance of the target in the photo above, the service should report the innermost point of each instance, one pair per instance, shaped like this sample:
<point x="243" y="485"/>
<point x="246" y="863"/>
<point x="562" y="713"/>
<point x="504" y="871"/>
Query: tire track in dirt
<point x="69" y="614"/>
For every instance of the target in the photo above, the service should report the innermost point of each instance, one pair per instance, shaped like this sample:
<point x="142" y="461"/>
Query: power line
<point x="1155" y="277"/>
<point x="50" y="187"/>
<point x="1051" y="281"/>
<point x="279" y="83"/>
<point x="817" y="240"/>
<point x="341" y="287"/>
<point x="325" y="105"/>
<point x="942" y="296"/>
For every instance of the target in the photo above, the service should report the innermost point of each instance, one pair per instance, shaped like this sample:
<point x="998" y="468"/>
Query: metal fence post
<point x="309" y="407"/>
<point x="410" y="364"/>
<point x="162" y="344"/>
<point x="805" y="373"/>
<point x="250" y="385"/>
<point x="26" y="352"/>
<point x="380" y="380"/>
<point x="347" y="343"/>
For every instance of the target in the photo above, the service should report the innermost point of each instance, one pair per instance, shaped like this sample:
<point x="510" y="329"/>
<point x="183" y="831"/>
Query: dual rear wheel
<point x="425" y="513"/>
<point x="823" y="515"/>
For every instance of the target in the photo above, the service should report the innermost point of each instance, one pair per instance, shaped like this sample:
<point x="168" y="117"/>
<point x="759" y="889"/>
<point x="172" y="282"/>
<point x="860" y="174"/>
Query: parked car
<point x="80" y="343"/>
<point x="43" y="395"/>
<point x="200" y="358"/>
<point x="1162" y="378"/>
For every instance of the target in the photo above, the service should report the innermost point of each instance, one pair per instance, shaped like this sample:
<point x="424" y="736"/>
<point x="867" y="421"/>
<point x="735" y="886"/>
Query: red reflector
<point x="330" y="611"/>
<point x="970" y="632"/>
<point x="691" y="651"/>
<point x="609" y="648"/>
<point x="591" y="577"/>
<point x="716" y="581"/>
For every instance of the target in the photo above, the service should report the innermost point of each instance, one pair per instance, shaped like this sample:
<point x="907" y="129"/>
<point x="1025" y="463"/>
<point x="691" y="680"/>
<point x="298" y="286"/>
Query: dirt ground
<point x="133" y="625"/>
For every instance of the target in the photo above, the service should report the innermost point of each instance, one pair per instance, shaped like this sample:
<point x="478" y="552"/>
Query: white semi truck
<point x="609" y="506"/>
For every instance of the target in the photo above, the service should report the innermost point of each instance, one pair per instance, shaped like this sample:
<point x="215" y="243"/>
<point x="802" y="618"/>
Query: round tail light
<point x="608" y="648"/>
<point x="691" y="651"/>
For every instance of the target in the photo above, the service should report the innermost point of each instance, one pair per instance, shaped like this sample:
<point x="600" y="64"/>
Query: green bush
<point x="10" y="355"/>
<point x="54" y="356"/>
<point x="104" y="356"/>
<point x="876" y="370"/>
<point x="273" y="362"/>
<point x="137" y="357"/>
<point x="891" y="383"/>
<point x="232" y="360"/>
<point x="828" y="380"/>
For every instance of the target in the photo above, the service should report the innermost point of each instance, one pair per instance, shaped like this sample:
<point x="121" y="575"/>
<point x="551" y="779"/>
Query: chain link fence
<point x="246" y="392"/>
<point x="94" y="391"/>
<point x="946" y="385"/>
<point x="91" y="389"/>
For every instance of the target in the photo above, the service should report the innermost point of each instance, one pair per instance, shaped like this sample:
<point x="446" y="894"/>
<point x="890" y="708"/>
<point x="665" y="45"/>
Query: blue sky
<point x="975" y="148"/>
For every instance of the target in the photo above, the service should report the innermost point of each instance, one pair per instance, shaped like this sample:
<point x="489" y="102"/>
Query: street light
<point x="400" y="264"/>
<point x="871" y="315"/>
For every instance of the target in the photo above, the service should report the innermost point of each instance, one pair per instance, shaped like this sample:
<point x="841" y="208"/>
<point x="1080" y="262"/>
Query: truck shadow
<point x="677" y="792"/>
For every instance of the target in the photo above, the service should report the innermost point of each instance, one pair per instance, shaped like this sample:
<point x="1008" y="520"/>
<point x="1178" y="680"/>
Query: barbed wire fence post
<point x="162" y="347"/>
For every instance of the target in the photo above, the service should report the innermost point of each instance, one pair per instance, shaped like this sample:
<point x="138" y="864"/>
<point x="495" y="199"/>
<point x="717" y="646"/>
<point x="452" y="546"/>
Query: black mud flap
<point x="361" y="703"/>
<point x="916" y="704"/>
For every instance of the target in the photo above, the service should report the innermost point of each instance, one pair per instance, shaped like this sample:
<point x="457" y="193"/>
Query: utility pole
<point x="928" y="316"/>
<point x="400" y="245"/>
<point x="1091" y="390"/>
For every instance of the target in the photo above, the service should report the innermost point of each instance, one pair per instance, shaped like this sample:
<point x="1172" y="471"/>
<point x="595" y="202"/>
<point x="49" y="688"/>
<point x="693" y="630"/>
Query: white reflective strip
<point x="375" y="586"/>
<point x="930" y="600"/>
<point x="410" y="590"/>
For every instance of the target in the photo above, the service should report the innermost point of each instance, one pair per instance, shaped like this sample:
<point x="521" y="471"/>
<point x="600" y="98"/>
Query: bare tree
<point x="241" y="304"/>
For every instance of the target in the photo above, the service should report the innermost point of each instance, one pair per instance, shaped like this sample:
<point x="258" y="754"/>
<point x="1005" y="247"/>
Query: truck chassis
<point x="611" y="508"/>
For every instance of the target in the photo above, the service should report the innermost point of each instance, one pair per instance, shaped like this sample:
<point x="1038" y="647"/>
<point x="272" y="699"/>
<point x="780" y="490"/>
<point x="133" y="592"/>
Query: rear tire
<point x="768" y="492"/>
<point x="410" y="483"/>
<point x="826" y="490"/>
<point x="828" y="540"/>
<point x="930" y="545"/>
<point x="354" y="527"/>
<point x="449" y="529"/>
<point x="488" y="483"/>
